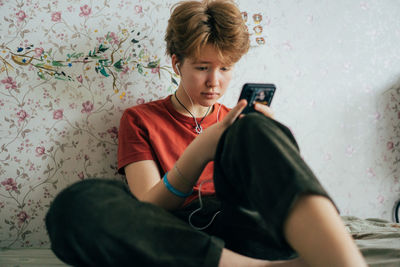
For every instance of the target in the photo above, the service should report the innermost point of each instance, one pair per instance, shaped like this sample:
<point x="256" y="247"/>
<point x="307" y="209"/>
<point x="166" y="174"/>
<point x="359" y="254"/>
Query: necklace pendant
<point x="199" y="129"/>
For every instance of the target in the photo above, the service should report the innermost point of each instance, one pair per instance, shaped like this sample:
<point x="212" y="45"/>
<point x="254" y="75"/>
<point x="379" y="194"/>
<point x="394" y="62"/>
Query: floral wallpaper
<point x="69" y="68"/>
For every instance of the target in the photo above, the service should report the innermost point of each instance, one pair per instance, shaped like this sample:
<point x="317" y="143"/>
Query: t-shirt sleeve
<point x="133" y="140"/>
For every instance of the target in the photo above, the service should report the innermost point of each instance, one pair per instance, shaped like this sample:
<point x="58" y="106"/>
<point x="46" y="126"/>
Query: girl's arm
<point x="144" y="179"/>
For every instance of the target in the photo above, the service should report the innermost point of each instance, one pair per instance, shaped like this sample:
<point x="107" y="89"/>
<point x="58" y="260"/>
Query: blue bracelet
<point x="173" y="190"/>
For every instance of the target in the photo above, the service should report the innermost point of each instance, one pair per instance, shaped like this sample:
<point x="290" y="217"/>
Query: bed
<point x="378" y="240"/>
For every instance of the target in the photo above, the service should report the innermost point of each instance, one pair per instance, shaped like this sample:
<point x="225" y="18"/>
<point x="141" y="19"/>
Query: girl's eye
<point x="204" y="68"/>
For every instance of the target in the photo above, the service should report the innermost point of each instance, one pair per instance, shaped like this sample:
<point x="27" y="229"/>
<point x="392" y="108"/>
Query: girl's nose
<point x="213" y="79"/>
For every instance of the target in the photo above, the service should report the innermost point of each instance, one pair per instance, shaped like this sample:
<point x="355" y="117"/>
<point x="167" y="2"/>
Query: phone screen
<point x="257" y="93"/>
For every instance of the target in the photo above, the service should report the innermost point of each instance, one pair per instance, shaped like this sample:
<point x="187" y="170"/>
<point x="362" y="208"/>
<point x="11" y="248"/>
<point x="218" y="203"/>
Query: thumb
<point x="235" y="112"/>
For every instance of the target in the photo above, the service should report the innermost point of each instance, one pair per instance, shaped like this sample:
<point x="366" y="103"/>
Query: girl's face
<point x="206" y="78"/>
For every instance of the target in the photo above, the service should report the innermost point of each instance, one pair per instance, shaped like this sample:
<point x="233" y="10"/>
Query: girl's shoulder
<point x="148" y="108"/>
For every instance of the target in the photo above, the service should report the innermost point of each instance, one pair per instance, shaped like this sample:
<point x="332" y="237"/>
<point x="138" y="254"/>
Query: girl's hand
<point x="264" y="109"/>
<point x="231" y="117"/>
<point x="210" y="137"/>
<point x="206" y="143"/>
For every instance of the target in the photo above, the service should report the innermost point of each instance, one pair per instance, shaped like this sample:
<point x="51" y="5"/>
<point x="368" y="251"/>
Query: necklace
<point x="198" y="127"/>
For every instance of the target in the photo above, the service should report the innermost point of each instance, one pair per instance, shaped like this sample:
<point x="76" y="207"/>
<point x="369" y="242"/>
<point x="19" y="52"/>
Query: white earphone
<point x="199" y="191"/>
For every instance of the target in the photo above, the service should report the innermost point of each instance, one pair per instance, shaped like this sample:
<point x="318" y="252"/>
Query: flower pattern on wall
<point x="68" y="69"/>
<point x="390" y="124"/>
<point x="64" y="93"/>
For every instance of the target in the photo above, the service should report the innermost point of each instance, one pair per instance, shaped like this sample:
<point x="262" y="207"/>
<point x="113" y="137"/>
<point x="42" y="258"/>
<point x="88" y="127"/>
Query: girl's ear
<point x="175" y="64"/>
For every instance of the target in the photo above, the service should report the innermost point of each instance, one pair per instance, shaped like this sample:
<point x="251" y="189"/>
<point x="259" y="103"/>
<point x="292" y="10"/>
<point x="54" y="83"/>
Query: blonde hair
<point x="194" y="24"/>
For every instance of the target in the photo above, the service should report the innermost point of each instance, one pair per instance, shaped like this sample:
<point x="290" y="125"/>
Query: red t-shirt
<point x="156" y="131"/>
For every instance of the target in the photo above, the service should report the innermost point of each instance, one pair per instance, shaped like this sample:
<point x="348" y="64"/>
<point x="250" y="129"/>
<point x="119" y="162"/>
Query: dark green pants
<point x="259" y="173"/>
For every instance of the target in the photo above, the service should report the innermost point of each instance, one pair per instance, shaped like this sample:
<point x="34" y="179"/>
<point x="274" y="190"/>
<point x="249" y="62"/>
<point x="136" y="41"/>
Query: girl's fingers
<point x="264" y="109"/>
<point x="235" y="112"/>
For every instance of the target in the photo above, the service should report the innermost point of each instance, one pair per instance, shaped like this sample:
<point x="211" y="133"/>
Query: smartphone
<point x="257" y="93"/>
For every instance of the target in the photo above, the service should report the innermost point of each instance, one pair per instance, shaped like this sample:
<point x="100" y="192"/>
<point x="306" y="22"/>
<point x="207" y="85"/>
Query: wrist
<point x="174" y="190"/>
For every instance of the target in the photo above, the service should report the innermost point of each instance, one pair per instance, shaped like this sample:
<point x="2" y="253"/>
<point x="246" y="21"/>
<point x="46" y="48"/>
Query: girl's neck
<point x="197" y="110"/>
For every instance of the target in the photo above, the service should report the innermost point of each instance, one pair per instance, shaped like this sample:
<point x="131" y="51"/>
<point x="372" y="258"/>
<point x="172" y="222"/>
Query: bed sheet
<point x="378" y="240"/>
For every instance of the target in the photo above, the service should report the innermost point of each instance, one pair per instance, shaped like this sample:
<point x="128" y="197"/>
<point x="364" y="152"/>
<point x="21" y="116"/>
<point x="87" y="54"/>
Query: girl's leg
<point x="258" y="167"/>
<point x="232" y="259"/>
<point x="98" y="222"/>
<point x="315" y="230"/>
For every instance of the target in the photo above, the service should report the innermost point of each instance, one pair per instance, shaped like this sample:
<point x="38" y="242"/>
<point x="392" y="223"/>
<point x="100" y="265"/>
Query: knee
<point x="248" y="126"/>
<point x="255" y="125"/>
<point x="83" y="197"/>
<point x="74" y="194"/>
<point x="256" y="120"/>
<point x="251" y="120"/>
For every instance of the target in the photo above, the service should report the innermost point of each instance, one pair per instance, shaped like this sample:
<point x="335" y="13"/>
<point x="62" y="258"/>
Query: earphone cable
<point x="200" y="208"/>
<point x="198" y="128"/>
